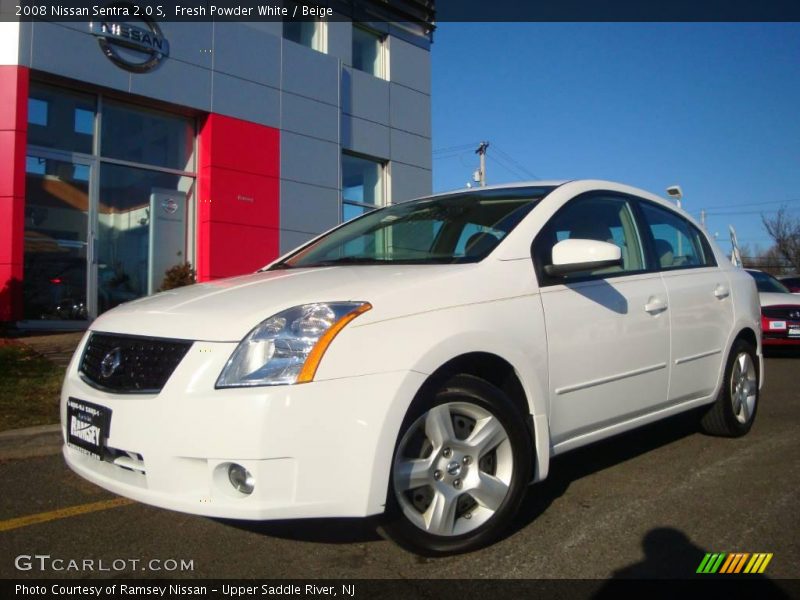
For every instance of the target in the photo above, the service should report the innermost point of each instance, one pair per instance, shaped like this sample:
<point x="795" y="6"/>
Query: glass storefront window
<point x="141" y="231"/>
<point x="61" y="119"/>
<point x="56" y="223"/>
<point x="99" y="233"/>
<point x="149" y="137"/>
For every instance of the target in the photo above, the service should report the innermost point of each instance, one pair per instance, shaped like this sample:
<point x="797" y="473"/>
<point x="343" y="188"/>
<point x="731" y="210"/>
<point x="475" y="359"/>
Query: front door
<point x="607" y="330"/>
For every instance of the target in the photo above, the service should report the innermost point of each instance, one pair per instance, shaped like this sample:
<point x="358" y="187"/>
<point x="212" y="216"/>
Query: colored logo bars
<point x="735" y="562"/>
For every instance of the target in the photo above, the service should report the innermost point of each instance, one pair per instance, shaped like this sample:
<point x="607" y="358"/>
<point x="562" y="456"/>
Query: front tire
<point x="461" y="466"/>
<point x="734" y="410"/>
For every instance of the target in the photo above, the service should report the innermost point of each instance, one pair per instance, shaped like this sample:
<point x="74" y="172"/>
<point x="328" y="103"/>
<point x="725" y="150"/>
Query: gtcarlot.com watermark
<point x="48" y="563"/>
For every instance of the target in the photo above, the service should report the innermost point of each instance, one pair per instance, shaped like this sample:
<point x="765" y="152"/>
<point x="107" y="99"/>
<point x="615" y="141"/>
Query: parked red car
<point x="780" y="311"/>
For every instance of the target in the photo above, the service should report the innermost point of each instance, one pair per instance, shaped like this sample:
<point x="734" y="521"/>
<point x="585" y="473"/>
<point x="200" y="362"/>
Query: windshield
<point x="458" y="228"/>
<point x="767" y="283"/>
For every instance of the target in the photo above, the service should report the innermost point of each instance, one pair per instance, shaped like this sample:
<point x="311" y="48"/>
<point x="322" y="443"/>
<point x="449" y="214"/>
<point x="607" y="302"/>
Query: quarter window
<point x="602" y="218"/>
<point x="677" y="243"/>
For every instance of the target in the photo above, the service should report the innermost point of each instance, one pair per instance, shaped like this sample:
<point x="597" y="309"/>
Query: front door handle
<point x="721" y="292"/>
<point x="655" y="305"/>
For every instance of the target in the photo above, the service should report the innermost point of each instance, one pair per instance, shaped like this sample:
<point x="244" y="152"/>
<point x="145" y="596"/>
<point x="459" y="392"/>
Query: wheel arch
<point x="501" y="373"/>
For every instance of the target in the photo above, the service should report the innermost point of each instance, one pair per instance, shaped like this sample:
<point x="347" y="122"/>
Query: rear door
<point x="607" y="330"/>
<point x="701" y="309"/>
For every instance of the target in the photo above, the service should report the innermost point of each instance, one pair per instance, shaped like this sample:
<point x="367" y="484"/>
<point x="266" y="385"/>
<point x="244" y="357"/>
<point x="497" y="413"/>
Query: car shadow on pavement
<point x="782" y="351"/>
<point x="599" y="456"/>
<point x="323" y="531"/>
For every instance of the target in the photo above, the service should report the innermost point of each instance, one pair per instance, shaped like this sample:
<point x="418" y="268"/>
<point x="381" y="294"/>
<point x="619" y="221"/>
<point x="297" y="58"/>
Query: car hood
<point x="226" y="310"/>
<point x="776" y="299"/>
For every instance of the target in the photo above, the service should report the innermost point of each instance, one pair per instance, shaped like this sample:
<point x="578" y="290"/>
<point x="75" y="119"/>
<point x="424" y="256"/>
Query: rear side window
<point x="677" y="243"/>
<point x="597" y="217"/>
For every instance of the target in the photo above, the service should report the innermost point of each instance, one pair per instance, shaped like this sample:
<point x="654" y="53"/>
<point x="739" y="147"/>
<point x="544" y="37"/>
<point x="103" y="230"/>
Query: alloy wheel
<point x="453" y="469"/>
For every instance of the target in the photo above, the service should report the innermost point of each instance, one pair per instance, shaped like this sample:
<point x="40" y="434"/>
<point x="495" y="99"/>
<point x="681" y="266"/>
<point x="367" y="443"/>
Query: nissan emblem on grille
<point x="110" y="362"/>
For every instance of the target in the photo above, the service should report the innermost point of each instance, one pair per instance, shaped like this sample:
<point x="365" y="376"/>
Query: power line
<point x="454" y="148"/>
<point x="453" y="155"/>
<point x="506" y="166"/>
<point x="516" y="163"/>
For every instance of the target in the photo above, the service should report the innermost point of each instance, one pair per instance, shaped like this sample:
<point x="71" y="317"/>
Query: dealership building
<point x="128" y="147"/>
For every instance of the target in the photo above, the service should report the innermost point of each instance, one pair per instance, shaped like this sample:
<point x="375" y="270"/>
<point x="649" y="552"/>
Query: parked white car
<point x="425" y="361"/>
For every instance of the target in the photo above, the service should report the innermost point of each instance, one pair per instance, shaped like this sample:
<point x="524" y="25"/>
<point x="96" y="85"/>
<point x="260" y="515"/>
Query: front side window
<point x="602" y="218"/>
<point x="369" y="52"/>
<point x="459" y="228"/>
<point x="677" y="243"/>
<point x="363" y="186"/>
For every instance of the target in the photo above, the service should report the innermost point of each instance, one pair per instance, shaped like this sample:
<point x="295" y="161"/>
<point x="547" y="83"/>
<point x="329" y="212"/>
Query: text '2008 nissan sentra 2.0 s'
<point x="424" y="361"/>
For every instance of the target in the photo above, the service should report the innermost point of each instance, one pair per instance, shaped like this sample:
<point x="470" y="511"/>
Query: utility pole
<point x="703" y="218"/>
<point x="481" y="152"/>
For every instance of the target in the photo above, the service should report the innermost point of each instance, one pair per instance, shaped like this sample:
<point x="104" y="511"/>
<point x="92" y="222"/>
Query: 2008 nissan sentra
<point x="424" y="361"/>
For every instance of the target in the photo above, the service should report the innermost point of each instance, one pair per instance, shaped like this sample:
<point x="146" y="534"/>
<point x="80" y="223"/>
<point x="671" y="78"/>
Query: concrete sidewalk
<point x="57" y="347"/>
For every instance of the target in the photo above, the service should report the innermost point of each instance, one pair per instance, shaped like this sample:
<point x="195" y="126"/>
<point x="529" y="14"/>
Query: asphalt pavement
<point x="650" y="503"/>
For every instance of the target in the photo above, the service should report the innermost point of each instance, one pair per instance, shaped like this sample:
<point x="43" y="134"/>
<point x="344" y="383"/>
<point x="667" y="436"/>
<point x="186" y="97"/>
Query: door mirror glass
<point x="576" y="254"/>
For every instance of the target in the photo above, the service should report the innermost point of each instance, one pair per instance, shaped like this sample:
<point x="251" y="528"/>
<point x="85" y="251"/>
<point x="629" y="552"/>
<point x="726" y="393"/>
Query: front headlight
<point x="287" y="347"/>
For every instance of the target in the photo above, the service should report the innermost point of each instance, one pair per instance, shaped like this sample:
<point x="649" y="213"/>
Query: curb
<point x="28" y="442"/>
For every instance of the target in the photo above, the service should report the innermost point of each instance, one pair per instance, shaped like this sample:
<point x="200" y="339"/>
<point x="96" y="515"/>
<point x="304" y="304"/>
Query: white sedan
<point x="424" y="361"/>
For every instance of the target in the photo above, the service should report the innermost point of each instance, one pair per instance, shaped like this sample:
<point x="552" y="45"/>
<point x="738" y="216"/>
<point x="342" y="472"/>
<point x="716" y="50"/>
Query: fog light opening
<point x="241" y="479"/>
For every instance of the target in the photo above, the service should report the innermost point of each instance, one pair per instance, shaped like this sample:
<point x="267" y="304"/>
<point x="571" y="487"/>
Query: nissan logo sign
<point x="122" y="42"/>
<point x="169" y="205"/>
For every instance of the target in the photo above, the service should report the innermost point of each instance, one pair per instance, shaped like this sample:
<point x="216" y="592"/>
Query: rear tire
<point x="734" y="410"/>
<point x="461" y="465"/>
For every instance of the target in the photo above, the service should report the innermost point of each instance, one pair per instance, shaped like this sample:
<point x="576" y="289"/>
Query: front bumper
<point x="321" y="449"/>
<point x="780" y="341"/>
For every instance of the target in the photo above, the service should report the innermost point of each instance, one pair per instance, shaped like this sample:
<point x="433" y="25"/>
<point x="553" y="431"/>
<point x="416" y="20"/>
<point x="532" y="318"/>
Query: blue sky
<point x="714" y="108"/>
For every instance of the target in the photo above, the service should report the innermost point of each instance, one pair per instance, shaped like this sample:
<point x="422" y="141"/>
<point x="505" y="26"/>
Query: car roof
<point x="551" y="183"/>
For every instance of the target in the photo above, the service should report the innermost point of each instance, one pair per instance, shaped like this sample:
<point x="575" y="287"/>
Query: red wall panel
<point x="13" y="136"/>
<point x="239" y="145"/>
<point x="12" y="167"/>
<point x="237" y="197"/>
<point x="240" y="249"/>
<point x="14" y="94"/>
<point x="12" y="228"/>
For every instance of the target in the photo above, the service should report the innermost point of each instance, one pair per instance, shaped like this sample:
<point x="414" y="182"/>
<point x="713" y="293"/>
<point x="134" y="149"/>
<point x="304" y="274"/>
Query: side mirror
<point x="574" y="255"/>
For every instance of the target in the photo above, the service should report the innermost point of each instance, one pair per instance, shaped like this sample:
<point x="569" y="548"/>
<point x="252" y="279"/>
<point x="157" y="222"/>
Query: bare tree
<point x="784" y="229"/>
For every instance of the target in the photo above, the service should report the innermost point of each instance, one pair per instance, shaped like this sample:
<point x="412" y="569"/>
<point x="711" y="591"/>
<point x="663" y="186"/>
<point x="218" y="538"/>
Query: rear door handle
<point x="721" y="292"/>
<point x="655" y="306"/>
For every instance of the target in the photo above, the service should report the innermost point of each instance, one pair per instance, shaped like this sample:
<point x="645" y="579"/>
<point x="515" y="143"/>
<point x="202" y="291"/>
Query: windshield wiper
<point x="345" y="260"/>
